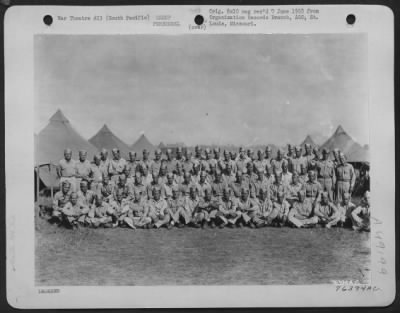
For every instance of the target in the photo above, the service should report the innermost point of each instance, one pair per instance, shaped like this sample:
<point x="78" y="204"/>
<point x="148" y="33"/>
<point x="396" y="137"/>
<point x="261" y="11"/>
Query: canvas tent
<point x="141" y="144"/>
<point x="342" y="141"/>
<point x="308" y="140"/>
<point x="55" y="137"/>
<point x="106" y="139"/>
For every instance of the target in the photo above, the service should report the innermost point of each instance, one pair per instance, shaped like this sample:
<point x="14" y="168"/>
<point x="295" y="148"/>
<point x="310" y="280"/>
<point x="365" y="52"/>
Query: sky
<point x="205" y="89"/>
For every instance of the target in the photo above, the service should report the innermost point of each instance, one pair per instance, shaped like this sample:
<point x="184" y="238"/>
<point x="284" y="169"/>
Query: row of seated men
<point x="241" y="203"/>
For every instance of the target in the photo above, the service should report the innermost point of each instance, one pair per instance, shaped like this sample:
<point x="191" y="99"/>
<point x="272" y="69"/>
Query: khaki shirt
<point x="326" y="169"/>
<point x="67" y="169"/>
<point x="325" y="210"/>
<point x="86" y="198"/>
<point x="83" y="169"/>
<point x="346" y="173"/>
<point x="302" y="209"/>
<point x="312" y="189"/>
<point x="60" y="199"/>
<point x="116" y="167"/>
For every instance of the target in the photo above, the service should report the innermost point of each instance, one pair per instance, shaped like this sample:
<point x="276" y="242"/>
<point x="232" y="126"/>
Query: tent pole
<point x="37" y="183"/>
<point x="51" y="185"/>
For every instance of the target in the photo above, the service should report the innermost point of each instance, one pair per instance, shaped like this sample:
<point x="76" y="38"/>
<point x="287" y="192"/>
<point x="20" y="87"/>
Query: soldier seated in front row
<point x="301" y="215"/>
<point x="61" y="198"/>
<point x="361" y="215"/>
<point x="327" y="213"/>
<point x="74" y="213"/>
<point x="100" y="213"/>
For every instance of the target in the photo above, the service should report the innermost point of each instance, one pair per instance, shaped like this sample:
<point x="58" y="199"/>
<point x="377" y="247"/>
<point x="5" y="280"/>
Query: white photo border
<point x="22" y="23"/>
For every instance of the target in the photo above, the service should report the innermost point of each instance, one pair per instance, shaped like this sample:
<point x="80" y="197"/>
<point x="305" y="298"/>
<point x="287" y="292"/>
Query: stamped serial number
<point x="49" y="290"/>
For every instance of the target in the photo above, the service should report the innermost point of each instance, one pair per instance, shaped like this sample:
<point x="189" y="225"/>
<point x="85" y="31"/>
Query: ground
<point x="190" y="256"/>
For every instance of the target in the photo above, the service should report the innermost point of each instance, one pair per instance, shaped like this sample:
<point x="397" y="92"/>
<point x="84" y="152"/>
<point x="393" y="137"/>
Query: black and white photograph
<point x="204" y="158"/>
<point x="178" y="160"/>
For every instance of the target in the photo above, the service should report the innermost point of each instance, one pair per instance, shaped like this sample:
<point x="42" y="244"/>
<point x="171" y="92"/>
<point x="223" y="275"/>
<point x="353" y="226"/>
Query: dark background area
<point x="4" y="4"/>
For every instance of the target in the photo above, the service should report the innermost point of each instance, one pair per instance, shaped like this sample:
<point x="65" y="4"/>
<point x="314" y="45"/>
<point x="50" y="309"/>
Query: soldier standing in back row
<point x="66" y="169"/>
<point x="345" y="178"/>
<point x="117" y="165"/>
<point x="83" y="169"/>
<point x="326" y="174"/>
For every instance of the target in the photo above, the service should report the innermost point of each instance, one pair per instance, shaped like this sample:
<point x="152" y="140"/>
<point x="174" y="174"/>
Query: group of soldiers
<point x="208" y="189"/>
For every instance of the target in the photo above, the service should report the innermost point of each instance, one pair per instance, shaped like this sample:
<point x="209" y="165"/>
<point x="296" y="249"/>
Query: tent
<point x="161" y="145"/>
<point x="358" y="154"/>
<point x="55" y="137"/>
<point x="105" y="138"/>
<point x="342" y="141"/>
<point x="308" y="140"/>
<point x="141" y="144"/>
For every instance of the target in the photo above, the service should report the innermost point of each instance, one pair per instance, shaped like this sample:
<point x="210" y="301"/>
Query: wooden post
<point x="51" y="185"/>
<point x="37" y="183"/>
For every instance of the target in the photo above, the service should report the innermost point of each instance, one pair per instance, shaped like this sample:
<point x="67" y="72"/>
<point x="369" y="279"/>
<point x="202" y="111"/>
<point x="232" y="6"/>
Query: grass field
<point x="199" y="257"/>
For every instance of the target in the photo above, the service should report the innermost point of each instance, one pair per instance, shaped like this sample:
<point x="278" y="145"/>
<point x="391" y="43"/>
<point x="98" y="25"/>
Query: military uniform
<point x="326" y="176"/>
<point x="312" y="189"/>
<point x="119" y="211"/>
<point x="171" y="165"/>
<point x="158" y="212"/>
<point x="236" y="188"/>
<point x="241" y="164"/>
<point x="207" y="210"/>
<point x="83" y="171"/>
<point x="327" y="213"/>
<point x="201" y="187"/>
<point x="137" y="189"/>
<point x="132" y="167"/>
<point x="277" y="165"/>
<point x="228" y="212"/>
<point x="86" y="198"/>
<point x="276" y="188"/>
<point x="176" y="209"/>
<point x="258" y="185"/>
<point x="249" y="209"/>
<point x="167" y="189"/>
<point x="155" y="167"/>
<point x="104" y="165"/>
<point x="138" y="213"/>
<point x="296" y="163"/>
<point x="217" y="189"/>
<point x="59" y="201"/>
<point x="361" y="216"/>
<point x="96" y="177"/>
<point x="74" y="213"/>
<point x="116" y="168"/>
<point x="191" y="210"/>
<point x="67" y="172"/>
<point x="260" y="165"/>
<point x="293" y="190"/>
<point x="301" y="214"/>
<point x="279" y="213"/>
<point x="345" y="179"/>
<point x="309" y="161"/>
<point x="286" y="178"/>
<point x="100" y="215"/>
<point x="150" y="188"/>
<point x="345" y="211"/>
<point x="107" y="190"/>
<point x="146" y="164"/>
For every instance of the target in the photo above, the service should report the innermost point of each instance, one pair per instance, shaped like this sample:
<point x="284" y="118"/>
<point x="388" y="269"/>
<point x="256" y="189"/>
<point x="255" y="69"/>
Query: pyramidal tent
<point x="58" y="135"/>
<point x="141" y="144"/>
<point x="342" y="141"/>
<point x="106" y="139"/>
<point x="308" y="140"/>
